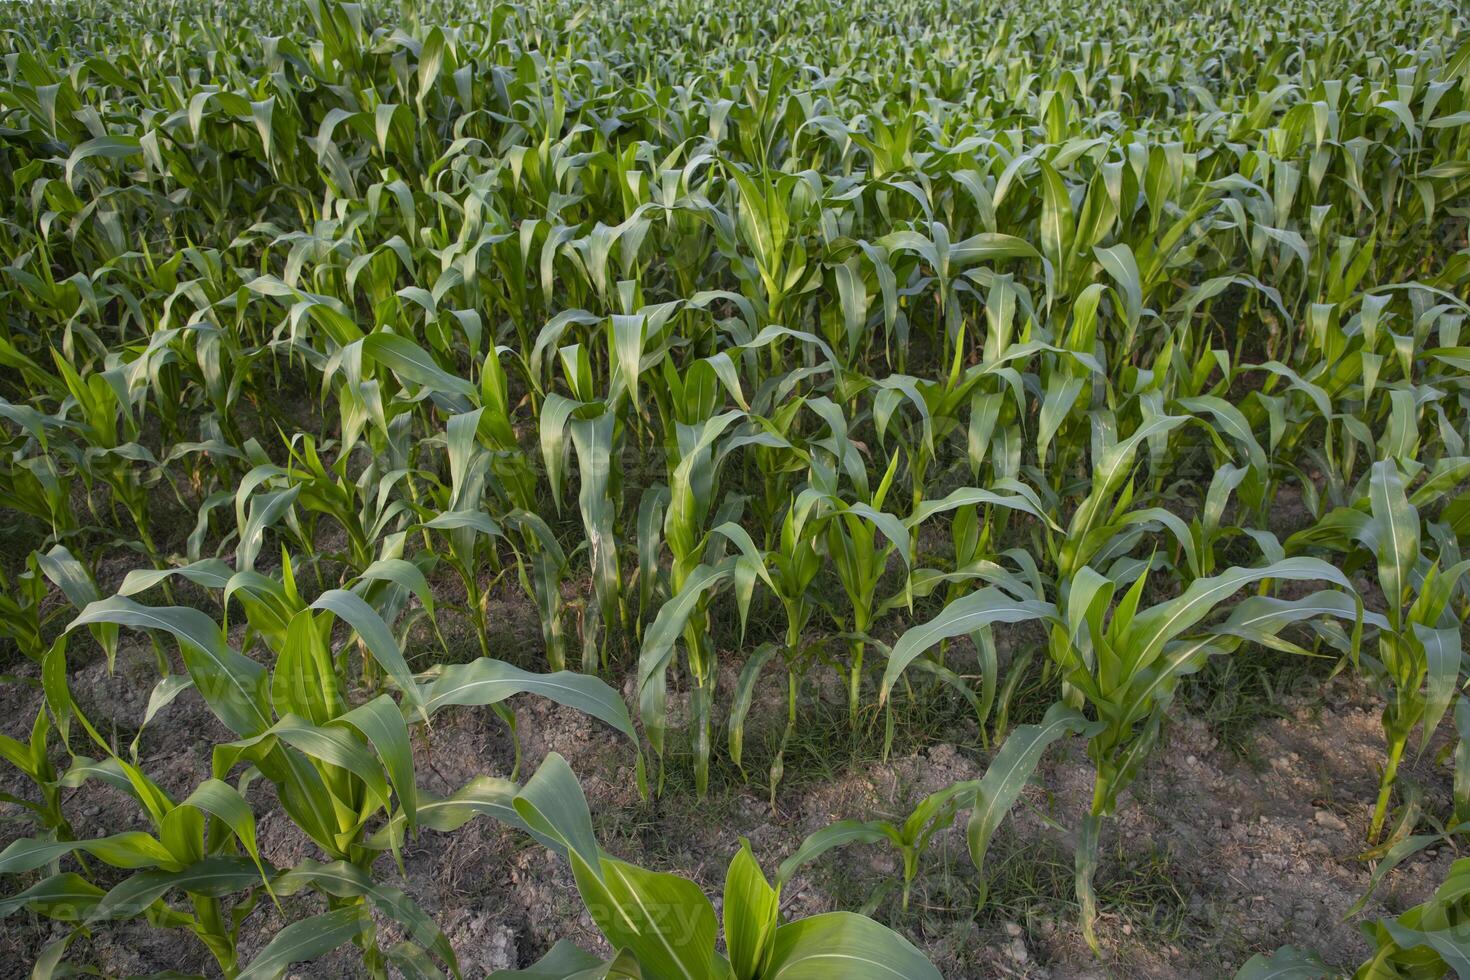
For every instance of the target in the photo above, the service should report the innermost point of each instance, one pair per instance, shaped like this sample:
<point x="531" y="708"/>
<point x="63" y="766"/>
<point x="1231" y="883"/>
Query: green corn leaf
<point x="1024" y="500"/>
<point x="67" y="897"/>
<point x="744" y="696"/>
<point x="658" y="645"/>
<point x="104" y="147"/>
<point x="1008" y="773"/>
<point x="235" y="687"/>
<point x="212" y="573"/>
<point x="551" y="804"/>
<point x="48" y="964"/>
<point x="306" y="940"/>
<point x="636" y="910"/>
<point x="404" y="574"/>
<point x="304" y="681"/>
<point x="413" y="963"/>
<point x="484" y="682"/>
<point x="412" y="363"/>
<point x="1397" y="524"/>
<point x="482" y="796"/>
<point x="1443" y="655"/>
<point x="751" y="914"/>
<point x="1162" y="623"/>
<point x="963" y="616"/>
<point x="381" y="723"/>
<point x="129" y="849"/>
<point x="334" y="746"/>
<point x="223" y="802"/>
<point x="1286" y="963"/>
<point x="592" y="439"/>
<point x="846" y="945"/>
<point x="162" y="695"/>
<point x="343" y="880"/>
<point x="215" y="876"/>
<point x="562" y="962"/>
<point x="378" y="639"/>
<point x="838" y="834"/>
<point x="1391" y="859"/>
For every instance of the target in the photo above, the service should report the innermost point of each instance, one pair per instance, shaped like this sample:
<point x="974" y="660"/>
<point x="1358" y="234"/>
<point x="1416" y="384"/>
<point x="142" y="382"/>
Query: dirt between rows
<point x="1214" y="853"/>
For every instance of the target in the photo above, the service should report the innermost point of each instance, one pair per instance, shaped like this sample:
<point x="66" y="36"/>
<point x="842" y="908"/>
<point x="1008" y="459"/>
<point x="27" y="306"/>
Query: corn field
<point x="709" y="402"/>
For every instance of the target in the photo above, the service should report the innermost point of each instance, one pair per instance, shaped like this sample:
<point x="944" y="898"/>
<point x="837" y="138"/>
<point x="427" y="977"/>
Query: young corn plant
<point x="1124" y="663"/>
<point x="989" y="799"/>
<point x="33" y="759"/>
<point x="693" y="504"/>
<point x="338" y="770"/>
<point x="1419" y="651"/>
<point x="195" y="849"/>
<point x="661" y="924"/>
<point x="866" y="309"/>
<point x="195" y="846"/>
<point x="853" y="535"/>
<point x="1425" y="940"/>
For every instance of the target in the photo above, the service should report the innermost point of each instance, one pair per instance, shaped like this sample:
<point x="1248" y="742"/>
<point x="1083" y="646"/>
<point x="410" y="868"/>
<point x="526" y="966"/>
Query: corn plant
<point x="878" y="327"/>
<point x="336" y="769"/>
<point x="989" y="798"/>
<point x="33" y="758"/>
<point x="662" y="924"/>
<point x="1425" y="940"/>
<point x="1125" y="662"/>
<point x="1418" y="663"/>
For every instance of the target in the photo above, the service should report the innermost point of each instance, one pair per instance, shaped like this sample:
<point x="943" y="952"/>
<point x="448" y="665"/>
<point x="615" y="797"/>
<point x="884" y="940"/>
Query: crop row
<point x="828" y="339"/>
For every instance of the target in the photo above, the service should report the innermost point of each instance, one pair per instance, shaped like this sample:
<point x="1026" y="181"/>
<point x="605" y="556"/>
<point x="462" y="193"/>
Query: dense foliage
<point x="771" y="339"/>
